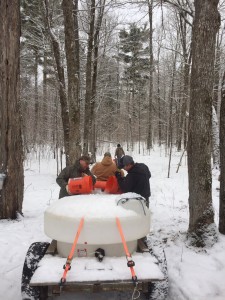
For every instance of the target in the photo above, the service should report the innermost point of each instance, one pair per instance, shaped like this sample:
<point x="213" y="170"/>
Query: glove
<point x="118" y="174"/>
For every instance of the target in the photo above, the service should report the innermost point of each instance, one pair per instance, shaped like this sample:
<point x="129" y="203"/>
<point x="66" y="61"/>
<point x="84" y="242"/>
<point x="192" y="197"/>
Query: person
<point x="137" y="179"/>
<point x="102" y="170"/>
<point x="119" y="153"/>
<point x="79" y="169"/>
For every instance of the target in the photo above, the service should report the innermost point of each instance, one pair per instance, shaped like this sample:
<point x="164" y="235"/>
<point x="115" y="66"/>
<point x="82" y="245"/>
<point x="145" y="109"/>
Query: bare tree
<point x="215" y="140"/>
<point x="61" y="81"/>
<point x="94" y="77"/>
<point x="151" y="69"/>
<point x="205" y="26"/>
<point x="222" y="161"/>
<point x="88" y="94"/>
<point x="72" y="57"/>
<point x="11" y="149"/>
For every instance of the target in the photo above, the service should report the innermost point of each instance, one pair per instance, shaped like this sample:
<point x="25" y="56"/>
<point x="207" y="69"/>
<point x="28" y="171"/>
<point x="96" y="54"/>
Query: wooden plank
<point x="98" y="287"/>
<point x="83" y="283"/>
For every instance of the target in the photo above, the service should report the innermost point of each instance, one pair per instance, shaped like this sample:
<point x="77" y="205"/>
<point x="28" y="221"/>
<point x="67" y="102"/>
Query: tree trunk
<point x="205" y="26"/>
<point x="36" y="105"/>
<point x="186" y="83"/>
<point x="222" y="161"/>
<point x="171" y="97"/>
<point x="215" y="140"/>
<point x="149" y="139"/>
<point x="88" y="95"/>
<point x="11" y="148"/>
<point x="73" y="80"/>
<point x="94" y="79"/>
<point x="159" y="99"/>
<point x="45" y="106"/>
<point x="61" y="84"/>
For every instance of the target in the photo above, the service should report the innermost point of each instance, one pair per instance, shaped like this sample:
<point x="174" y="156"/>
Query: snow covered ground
<point x="194" y="274"/>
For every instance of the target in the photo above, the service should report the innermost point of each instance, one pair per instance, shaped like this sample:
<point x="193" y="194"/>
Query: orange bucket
<point x="80" y="185"/>
<point x="100" y="185"/>
<point x="112" y="186"/>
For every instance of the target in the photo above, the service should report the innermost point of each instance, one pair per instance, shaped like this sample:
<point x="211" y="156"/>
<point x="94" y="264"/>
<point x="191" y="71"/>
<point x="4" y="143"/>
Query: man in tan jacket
<point x="104" y="169"/>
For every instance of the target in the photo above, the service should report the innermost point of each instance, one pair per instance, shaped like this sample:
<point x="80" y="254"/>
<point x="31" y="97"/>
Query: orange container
<point x="100" y="185"/>
<point x="112" y="186"/>
<point x="80" y="185"/>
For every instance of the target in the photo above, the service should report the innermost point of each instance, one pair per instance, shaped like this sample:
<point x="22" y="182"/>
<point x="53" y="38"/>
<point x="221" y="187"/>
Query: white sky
<point x="193" y="274"/>
<point x="131" y="13"/>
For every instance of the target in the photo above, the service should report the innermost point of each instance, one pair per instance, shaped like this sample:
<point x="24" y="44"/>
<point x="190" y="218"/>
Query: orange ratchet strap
<point x="67" y="265"/>
<point x="130" y="262"/>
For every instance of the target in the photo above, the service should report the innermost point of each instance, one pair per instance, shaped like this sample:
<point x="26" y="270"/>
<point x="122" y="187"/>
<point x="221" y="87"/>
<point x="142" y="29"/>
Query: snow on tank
<point x="61" y="219"/>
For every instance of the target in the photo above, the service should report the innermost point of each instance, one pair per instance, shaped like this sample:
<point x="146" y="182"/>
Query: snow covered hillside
<point x="195" y="274"/>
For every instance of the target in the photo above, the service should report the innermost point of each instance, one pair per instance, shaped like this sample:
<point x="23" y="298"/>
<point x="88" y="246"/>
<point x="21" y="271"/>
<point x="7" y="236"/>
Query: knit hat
<point x="86" y="158"/>
<point x="107" y="154"/>
<point x="126" y="160"/>
<point x="118" y="145"/>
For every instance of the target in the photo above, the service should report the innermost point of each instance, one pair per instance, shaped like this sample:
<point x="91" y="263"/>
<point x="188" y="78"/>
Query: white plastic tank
<point x="62" y="218"/>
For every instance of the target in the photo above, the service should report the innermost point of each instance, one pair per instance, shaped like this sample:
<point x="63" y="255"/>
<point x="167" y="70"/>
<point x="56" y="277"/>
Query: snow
<point x="84" y="269"/>
<point x="92" y="207"/>
<point x="195" y="274"/>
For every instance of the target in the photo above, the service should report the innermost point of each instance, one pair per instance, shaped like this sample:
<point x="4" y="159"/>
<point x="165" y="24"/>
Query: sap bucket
<point x="80" y="185"/>
<point x="112" y="186"/>
<point x="100" y="185"/>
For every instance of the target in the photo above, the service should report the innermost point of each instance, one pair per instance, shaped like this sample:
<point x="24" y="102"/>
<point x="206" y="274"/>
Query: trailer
<point x="87" y="274"/>
<point x="97" y="245"/>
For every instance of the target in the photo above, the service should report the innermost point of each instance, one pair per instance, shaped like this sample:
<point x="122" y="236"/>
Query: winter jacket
<point x="119" y="152"/>
<point x="71" y="172"/>
<point x="136" y="181"/>
<point x="102" y="170"/>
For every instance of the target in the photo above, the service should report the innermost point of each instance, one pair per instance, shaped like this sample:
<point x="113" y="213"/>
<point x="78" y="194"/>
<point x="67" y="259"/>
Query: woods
<point x="87" y="80"/>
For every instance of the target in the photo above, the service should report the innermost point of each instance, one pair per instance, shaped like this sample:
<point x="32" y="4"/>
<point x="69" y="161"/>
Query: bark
<point x="73" y="80"/>
<point x="11" y="148"/>
<point x="216" y="74"/>
<point x="206" y="24"/>
<point x="222" y="162"/>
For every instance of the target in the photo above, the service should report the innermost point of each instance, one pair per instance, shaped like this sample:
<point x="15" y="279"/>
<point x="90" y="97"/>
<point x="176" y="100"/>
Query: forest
<point x="76" y="75"/>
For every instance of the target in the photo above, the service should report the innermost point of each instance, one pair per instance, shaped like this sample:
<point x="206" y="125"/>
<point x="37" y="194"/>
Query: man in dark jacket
<point x="137" y="179"/>
<point x="79" y="169"/>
